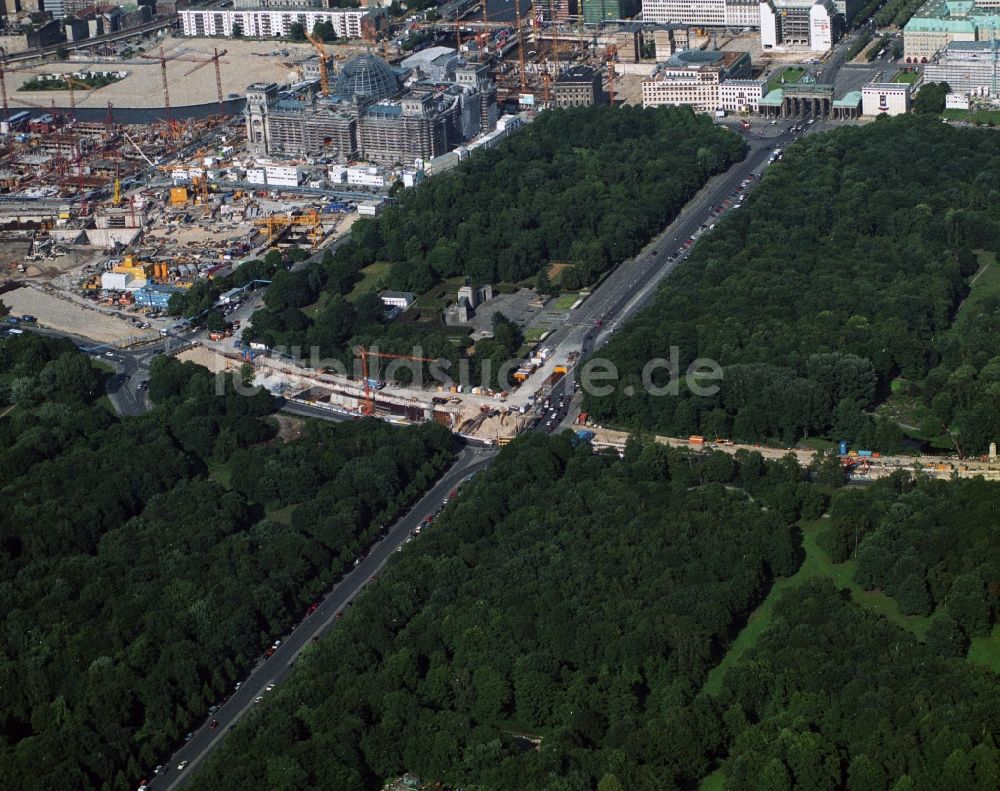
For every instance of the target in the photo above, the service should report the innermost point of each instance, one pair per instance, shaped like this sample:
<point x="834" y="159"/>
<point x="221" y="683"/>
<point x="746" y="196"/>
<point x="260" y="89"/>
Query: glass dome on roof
<point x="367" y="77"/>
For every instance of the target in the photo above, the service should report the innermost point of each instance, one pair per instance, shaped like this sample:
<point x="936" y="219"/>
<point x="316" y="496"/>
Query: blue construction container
<point x="843" y="447"/>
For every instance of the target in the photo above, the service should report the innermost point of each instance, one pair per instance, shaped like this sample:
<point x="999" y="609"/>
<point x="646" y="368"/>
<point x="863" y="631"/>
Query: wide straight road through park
<point x="468" y="460"/>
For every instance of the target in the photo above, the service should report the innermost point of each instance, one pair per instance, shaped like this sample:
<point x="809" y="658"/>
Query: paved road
<point x="630" y="287"/>
<point x="272" y="671"/>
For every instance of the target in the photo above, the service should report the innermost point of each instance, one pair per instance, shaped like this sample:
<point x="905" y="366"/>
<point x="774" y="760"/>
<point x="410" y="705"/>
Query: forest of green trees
<point x="138" y="582"/>
<point x="833" y="697"/>
<point x="555" y="630"/>
<point x="843" y="272"/>
<point x="566" y="595"/>
<point x="584" y="186"/>
<point x="932" y="546"/>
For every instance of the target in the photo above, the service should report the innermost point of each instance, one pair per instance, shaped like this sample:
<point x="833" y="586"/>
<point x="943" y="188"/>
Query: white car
<point x="181" y="765"/>
<point x="269" y="687"/>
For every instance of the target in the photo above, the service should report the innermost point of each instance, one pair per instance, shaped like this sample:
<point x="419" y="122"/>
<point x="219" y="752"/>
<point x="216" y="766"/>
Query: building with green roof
<point x="939" y="22"/>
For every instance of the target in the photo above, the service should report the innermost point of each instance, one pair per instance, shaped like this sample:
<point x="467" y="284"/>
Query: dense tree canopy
<point x="844" y="271"/>
<point x="136" y="585"/>
<point x="566" y="595"/>
<point x="833" y="697"/>
<point x="930" y="544"/>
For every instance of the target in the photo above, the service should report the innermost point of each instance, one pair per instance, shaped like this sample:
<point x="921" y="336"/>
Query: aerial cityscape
<point x="500" y="395"/>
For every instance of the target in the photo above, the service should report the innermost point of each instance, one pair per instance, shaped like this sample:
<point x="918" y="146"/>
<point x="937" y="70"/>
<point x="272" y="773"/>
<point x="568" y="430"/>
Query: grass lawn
<point x="815" y="564"/>
<point x="714" y="782"/>
<point x="908" y="77"/>
<point x="973" y="116"/>
<point x="985" y="284"/>
<point x="373" y="277"/>
<point x="313" y="310"/>
<point x="565" y="301"/>
<point x="791" y="74"/>
<point x="985" y="651"/>
<point x="534" y="334"/>
<point x="282" y="515"/>
<point x="221" y="474"/>
<point x="439" y="297"/>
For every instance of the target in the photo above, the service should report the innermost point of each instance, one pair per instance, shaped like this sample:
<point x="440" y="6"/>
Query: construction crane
<point x="520" y="47"/>
<point x="554" y="30"/>
<point x="116" y="196"/>
<point x="546" y="87"/>
<point x="3" y="90"/>
<point x="324" y="77"/>
<point x="166" y="89"/>
<point x="141" y="152"/>
<point x="368" y="407"/>
<point x="218" y="77"/>
<point x="72" y="83"/>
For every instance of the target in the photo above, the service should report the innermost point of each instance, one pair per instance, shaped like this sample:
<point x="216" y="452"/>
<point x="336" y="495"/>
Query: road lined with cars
<point x="323" y="615"/>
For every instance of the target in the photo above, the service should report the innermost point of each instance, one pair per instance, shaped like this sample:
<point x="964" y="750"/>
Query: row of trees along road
<point x="844" y="271"/>
<point x="146" y="562"/>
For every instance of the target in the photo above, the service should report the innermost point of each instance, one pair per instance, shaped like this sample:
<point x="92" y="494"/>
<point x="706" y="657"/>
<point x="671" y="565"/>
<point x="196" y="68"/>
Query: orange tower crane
<point x="324" y="77"/>
<point x="215" y="59"/>
<point x="368" y="407"/>
<point x="520" y="47"/>
<point x="554" y="31"/>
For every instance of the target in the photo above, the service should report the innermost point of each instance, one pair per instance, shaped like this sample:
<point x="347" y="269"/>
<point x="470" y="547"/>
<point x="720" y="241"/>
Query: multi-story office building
<point x="693" y="78"/>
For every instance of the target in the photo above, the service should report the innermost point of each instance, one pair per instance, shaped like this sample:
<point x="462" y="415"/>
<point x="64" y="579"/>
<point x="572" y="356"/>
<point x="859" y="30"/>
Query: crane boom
<point x="520" y="47"/>
<point x="141" y="152"/>
<point x="368" y="407"/>
<point x="324" y="77"/>
<point x="215" y="60"/>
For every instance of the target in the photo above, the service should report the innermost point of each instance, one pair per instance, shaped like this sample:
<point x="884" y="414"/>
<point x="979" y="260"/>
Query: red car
<point x="213" y="724"/>
<point x="269" y="652"/>
<point x="312" y="608"/>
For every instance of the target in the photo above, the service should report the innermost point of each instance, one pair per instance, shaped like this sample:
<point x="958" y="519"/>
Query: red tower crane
<point x="368" y="407"/>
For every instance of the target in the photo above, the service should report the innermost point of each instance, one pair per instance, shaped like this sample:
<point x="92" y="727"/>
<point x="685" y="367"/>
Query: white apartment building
<point x="710" y="13"/>
<point x="267" y="22"/>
